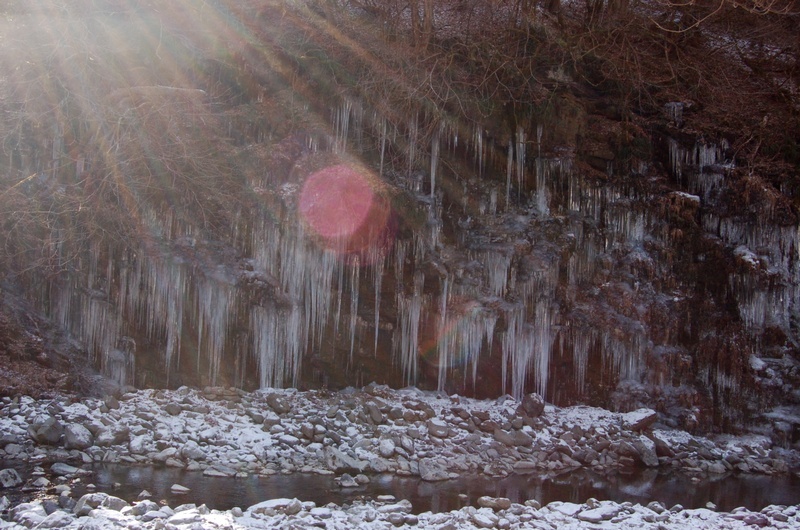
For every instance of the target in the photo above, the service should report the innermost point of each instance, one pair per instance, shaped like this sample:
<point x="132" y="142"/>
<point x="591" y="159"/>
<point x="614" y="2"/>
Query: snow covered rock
<point x="90" y="501"/>
<point x="9" y="478"/>
<point x="438" y="428"/>
<point x="337" y="460"/>
<point x="279" y="404"/>
<point x="431" y="471"/>
<point x="273" y="506"/>
<point x="604" y="512"/>
<point x="62" y="469"/>
<point x="495" y="503"/>
<point x="192" y="451"/>
<point x="532" y="406"/>
<point x="485" y="518"/>
<point x="76" y="436"/>
<point x="640" y="419"/>
<point x="46" y="431"/>
<point x="179" y="489"/>
<point x="112" y="435"/>
<point x="386" y="447"/>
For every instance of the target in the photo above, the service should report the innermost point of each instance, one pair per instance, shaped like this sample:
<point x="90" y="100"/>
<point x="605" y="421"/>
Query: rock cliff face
<point x="564" y="251"/>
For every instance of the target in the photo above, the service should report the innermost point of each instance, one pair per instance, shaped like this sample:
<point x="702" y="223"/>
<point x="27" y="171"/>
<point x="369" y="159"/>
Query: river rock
<point x="173" y="409"/>
<point x="646" y="449"/>
<point x="495" y="503"/>
<point x="62" y="469"/>
<point x="346" y="481"/>
<point x="9" y="478"/>
<point x="179" y="489"/>
<point x="6" y="439"/>
<point x="112" y="435"/>
<point x="603" y="512"/>
<point x="273" y="506"/>
<point x="386" y="447"/>
<point x="90" y="501"/>
<point x="438" y="428"/>
<point x="76" y="436"/>
<point x="337" y="460"/>
<point x="640" y="419"/>
<point x="163" y="456"/>
<point x="374" y="413"/>
<point x="430" y="471"/>
<point x="111" y="402"/>
<point x="192" y="451"/>
<point x="279" y="404"/>
<point x="532" y="406"/>
<point x="57" y="519"/>
<point x="485" y="518"/>
<point x="142" y="507"/>
<point x="46" y="431"/>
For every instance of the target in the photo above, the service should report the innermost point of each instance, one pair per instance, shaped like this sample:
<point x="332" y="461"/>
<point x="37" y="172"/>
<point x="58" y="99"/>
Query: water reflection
<point x="726" y="492"/>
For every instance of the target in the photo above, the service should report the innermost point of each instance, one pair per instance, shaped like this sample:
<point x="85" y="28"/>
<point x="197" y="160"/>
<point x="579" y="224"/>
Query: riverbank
<point x="358" y="433"/>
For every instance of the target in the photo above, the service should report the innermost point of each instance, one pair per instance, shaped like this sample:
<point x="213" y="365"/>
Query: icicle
<point x="497" y="264"/>
<point x="413" y="130"/>
<point x="443" y="343"/>
<point x="378" y="261"/>
<point x="355" y="270"/>
<point x="478" y="140"/>
<point x="435" y="159"/>
<point x="382" y="143"/>
<point x="527" y="347"/>
<point x="674" y="111"/>
<point x="509" y="170"/>
<point x="215" y="301"/>
<point x="409" y="314"/>
<point x="341" y="125"/>
<point x="539" y="131"/>
<point x="521" y="158"/>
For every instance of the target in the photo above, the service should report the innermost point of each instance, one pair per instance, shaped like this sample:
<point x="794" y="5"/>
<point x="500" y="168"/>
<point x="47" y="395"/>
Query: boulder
<point x="430" y="471"/>
<point x="386" y="447"/>
<point x="90" y="501"/>
<point x="337" y="460"/>
<point x="46" y="431"/>
<point x="173" y="409"/>
<point x="192" y="451"/>
<point x="112" y="435"/>
<point x="495" y="503"/>
<point x="9" y="478"/>
<point x="640" y="419"/>
<point x="7" y="439"/>
<point x="438" y="428"/>
<point x="61" y="469"/>
<point x="279" y="404"/>
<point x="646" y="449"/>
<point x="76" y="436"/>
<point x="532" y="406"/>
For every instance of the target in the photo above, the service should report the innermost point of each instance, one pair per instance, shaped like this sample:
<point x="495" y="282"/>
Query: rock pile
<point x="226" y="432"/>
<point x="102" y="511"/>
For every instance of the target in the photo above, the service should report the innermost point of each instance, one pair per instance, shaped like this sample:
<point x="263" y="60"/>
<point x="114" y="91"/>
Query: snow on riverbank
<point x="100" y="511"/>
<point x="355" y="433"/>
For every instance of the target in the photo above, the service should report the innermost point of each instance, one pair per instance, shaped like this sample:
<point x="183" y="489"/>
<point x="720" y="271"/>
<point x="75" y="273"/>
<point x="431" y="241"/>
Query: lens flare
<point x="343" y="210"/>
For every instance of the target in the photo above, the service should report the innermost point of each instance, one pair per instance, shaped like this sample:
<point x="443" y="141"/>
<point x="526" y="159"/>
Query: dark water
<point x="670" y="488"/>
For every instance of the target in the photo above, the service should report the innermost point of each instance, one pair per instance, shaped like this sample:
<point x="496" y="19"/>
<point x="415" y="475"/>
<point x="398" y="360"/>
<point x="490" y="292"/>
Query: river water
<point x="670" y="488"/>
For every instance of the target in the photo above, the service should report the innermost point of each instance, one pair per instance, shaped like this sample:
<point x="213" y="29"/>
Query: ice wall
<point x="517" y="266"/>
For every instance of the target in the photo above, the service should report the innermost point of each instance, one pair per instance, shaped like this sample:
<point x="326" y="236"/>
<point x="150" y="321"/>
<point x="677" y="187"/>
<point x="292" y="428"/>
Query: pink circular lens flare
<point x="341" y="207"/>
